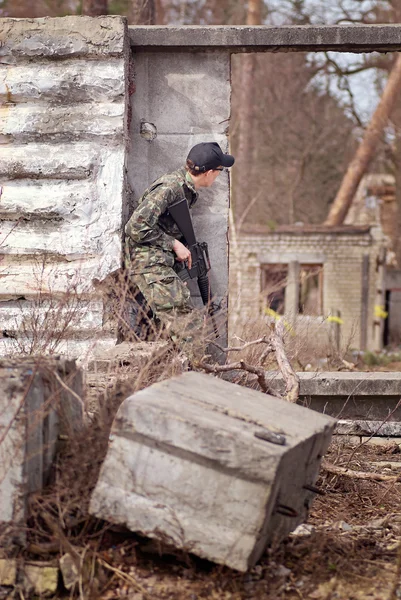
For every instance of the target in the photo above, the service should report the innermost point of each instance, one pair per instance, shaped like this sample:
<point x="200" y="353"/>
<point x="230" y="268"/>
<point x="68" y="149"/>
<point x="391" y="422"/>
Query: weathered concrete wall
<point x="63" y="118"/>
<point x="341" y="255"/>
<point x="64" y="88"/>
<point x="186" y="95"/>
<point x="34" y="410"/>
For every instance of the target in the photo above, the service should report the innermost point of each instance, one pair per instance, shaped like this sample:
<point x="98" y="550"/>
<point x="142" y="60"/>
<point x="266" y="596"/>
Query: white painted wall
<point x="63" y="122"/>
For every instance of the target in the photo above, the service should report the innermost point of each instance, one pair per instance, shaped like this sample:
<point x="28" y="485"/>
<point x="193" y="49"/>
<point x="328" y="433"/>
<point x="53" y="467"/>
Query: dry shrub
<point x="59" y="515"/>
<point x="45" y="319"/>
<point x="110" y="558"/>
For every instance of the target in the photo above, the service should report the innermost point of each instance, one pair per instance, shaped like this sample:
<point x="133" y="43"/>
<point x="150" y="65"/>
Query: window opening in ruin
<point x="274" y="281"/>
<point x="311" y="290"/>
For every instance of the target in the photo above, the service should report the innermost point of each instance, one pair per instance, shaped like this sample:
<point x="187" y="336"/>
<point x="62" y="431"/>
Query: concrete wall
<point x="64" y="91"/>
<point x="34" y="410"/>
<point x="63" y="142"/>
<point x="186" y="96"/>
<point x="341" y="254"/>
<point x="66" y="127"/>
<point x="265" y="38"/>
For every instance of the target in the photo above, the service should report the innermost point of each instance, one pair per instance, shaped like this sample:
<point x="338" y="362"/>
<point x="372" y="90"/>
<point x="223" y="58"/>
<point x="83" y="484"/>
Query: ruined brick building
<point x="322" y="277"/>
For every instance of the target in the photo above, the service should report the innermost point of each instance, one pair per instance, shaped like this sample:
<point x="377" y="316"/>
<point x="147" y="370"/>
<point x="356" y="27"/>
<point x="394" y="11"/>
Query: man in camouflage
<point x="154" y="242"/>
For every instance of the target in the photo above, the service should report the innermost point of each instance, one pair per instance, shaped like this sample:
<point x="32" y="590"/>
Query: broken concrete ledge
<point x="347" y="395"/>
<point x="368" y="428"/>
<point x="303" y="38"/>
<point x="62" y="37"/>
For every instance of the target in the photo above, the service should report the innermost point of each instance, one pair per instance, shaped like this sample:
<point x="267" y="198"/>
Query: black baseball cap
<point x="208" y="156"/>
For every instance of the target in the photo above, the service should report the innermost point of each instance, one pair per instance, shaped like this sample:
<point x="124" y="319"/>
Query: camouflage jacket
<point x="150" y="226"/>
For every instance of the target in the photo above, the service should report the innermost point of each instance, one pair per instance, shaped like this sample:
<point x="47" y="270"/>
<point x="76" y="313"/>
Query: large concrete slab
<point x="190" y="463"/>
<point x="34" y="409"/>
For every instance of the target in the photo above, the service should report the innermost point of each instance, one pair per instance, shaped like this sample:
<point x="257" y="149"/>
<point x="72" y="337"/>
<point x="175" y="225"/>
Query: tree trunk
<point x="396" y="119"/>
<point x="254" y="16"/>
<point x="142" y="12"/>
<point x="367" y="148"/>
<point x="94" y="8"/>
<point x="244" y="158"/>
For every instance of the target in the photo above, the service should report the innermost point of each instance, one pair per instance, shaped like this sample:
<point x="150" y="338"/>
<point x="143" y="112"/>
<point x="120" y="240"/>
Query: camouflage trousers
<point x="151" y="270"/>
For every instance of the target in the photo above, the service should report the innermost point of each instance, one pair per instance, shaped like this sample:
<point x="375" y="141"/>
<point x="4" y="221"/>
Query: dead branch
<point x="290" y="377"/>
<point x="125" y="577"/>
<point x="44" y="548"/>
<point x="330" y="468"/>
<point x="68" y="389"/>
<point x="274" y="343"/>
<point x="60" y="535"/>
<point x="262" y="340"/>
<point x="240" y="366"/>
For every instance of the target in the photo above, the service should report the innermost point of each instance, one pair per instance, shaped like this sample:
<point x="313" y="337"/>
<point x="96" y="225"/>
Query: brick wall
<point x="340" y="252"/>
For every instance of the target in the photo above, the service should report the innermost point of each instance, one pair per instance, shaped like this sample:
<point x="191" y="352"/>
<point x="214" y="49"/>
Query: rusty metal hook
<point x="314" y="489"/>
<point x="286" y="511"/>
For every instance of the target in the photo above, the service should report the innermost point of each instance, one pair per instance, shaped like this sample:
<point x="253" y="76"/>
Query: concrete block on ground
<point x="39" y="400"/>
<point x="134" y="354"/>
<point x="211" y="467"/>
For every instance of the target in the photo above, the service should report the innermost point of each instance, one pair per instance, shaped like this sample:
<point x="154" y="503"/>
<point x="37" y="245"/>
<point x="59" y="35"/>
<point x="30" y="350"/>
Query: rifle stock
<point x="180" y="213"/>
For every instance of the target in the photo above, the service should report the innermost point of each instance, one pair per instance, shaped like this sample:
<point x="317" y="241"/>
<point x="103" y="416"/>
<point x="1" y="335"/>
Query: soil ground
<point x="348" y="550"/>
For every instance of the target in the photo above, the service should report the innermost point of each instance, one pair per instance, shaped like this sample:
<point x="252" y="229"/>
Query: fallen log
<point x="336" y="470"/>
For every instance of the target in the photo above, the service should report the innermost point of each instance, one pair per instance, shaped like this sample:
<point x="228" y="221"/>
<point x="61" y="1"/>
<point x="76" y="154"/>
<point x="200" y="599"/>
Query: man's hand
<point x="182" y="253"/>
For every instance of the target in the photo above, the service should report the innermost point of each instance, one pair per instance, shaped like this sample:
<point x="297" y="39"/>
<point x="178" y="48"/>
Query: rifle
<point x="199" y="251"/>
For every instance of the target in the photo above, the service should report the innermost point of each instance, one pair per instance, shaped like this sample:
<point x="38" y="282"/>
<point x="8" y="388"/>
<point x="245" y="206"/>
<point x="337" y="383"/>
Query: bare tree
<point x="384" y="152"/>
<point x="366" y="151"/>
<point x="300" y="141"/>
